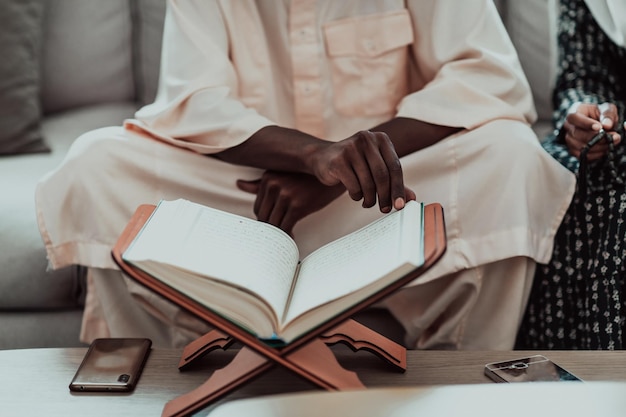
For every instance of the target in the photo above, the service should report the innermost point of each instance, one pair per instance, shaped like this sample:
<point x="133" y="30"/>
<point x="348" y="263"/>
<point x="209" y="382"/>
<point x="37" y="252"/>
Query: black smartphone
<point x="112" y="364"/>
<point x="532" y="368"/>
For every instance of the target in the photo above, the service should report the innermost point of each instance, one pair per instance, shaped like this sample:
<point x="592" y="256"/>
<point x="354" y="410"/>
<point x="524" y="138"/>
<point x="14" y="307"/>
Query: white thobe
<point x="332" y="68"/>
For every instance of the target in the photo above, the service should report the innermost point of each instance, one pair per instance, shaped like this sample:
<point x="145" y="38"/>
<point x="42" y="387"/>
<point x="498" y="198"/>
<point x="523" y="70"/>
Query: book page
<point x="243" y="252"/>
<point x="358" y="259"/>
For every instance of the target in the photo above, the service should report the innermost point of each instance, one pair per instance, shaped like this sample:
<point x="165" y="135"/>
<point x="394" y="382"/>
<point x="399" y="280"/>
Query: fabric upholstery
<point x="148" y="24"/>
<point x="20" y="43"/>
<point x="532" y="27"/>
<point x="39" y="329"/>
<point x="24" y="282"/>
<point x="87" y="58"/>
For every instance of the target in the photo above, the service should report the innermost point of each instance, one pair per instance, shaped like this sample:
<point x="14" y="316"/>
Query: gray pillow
<point x="20" y="110"/>
<point x="87" y="55"/>
<point x="149" y="20"/>
<point x="532" y="27"/>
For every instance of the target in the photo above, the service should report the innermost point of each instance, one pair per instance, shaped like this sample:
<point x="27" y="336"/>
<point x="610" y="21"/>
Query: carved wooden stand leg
<point x="314" y="361"/>
<point x="359" y="337"/>
<point x="246" y="365"/>
<point x="207" y="343"/>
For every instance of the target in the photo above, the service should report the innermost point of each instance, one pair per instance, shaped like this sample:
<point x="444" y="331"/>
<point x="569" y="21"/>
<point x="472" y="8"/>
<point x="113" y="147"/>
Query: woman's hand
<point x="584" y="121"/>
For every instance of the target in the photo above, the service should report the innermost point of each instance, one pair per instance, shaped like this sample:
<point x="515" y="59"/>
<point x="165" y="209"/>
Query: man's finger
<point x="288" y="222"/>
<point x="350" y="181"/>
<point x="277" y="214"/>
<point x="378" y="171"/>
<point x="409" y="194"/>
<point x="251" y="187"/>
<point x="396" y="178"/>
<point x="367" y="183"/>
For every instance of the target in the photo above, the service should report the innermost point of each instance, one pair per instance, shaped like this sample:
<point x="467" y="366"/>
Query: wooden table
<point x="35" y="381"/>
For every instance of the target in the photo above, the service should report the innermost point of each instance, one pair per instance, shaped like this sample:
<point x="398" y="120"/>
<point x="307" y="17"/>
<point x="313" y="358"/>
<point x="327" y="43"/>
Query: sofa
<point x="93" y="63"/>
<point x="87" y="64"/>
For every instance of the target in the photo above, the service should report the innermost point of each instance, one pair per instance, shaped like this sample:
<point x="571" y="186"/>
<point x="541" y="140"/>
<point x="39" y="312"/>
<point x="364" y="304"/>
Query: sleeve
<point x="468" y="68"/>
<point x="196" y="105"/>
<point x="589" y="68"/>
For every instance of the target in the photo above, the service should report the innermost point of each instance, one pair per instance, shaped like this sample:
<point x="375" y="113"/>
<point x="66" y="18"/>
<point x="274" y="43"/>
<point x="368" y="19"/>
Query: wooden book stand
<point x="309" y="356"/>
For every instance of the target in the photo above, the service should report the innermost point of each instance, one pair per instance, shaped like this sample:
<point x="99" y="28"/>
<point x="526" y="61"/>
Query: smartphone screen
<point x="533" y="368"/>
<point x="112" y="365"/>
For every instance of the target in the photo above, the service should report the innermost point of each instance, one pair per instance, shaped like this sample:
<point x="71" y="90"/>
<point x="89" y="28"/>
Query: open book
<point x="251" y="274"/>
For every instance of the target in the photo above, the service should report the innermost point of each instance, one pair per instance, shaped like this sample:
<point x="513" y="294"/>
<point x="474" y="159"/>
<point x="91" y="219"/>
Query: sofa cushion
<point x="20" y="43"/>
<point x="148" y="23"/>
<point x="40" y="329"/>
<point x="24" y="283"/>
<point x="532" y="27"/>
<point x="88" y="54"/>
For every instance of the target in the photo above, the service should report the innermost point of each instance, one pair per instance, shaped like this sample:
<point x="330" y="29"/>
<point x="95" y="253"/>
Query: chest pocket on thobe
<point x="369" y="62"/>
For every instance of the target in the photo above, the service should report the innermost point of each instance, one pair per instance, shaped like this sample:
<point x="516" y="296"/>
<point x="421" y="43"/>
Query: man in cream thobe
<point x="238" y="73"/>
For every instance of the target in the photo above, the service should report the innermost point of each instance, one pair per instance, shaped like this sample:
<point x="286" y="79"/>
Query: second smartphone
<point x="532" y="368"/>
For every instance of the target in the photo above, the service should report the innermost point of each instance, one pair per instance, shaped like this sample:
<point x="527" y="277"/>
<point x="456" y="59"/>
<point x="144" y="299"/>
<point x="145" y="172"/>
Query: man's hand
<point x="584" y="121"/>
<point x="283" y="199"/>
<point x="367" y="165"/>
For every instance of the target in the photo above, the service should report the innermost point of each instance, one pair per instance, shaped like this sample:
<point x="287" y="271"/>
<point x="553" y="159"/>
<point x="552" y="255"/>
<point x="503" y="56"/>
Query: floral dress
<point x="578" y="300"/>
